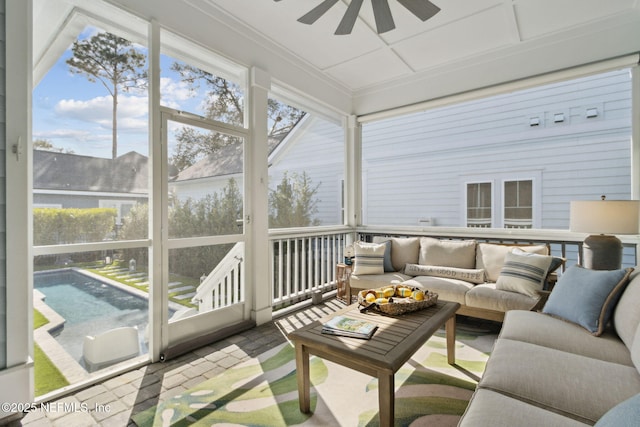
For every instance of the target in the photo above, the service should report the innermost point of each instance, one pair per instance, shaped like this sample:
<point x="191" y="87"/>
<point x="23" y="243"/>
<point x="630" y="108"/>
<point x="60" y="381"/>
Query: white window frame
<point x="498" y="180"/>
<point x="504" y="206"/>
<point x="466" y="196"/>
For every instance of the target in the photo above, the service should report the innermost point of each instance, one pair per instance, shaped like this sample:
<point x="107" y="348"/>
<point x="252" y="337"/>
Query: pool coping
<point x="43" y="336"/>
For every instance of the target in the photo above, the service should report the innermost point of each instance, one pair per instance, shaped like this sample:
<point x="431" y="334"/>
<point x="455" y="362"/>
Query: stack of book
<point x="349" y="327"/>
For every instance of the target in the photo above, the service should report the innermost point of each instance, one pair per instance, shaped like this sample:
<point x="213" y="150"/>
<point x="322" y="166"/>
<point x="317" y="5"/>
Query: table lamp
<point x="604" y="218"/>
<point x="349" y="253"/>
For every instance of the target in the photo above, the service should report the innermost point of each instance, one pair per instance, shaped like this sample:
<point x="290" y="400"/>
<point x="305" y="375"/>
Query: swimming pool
<point x="89" y="307"/>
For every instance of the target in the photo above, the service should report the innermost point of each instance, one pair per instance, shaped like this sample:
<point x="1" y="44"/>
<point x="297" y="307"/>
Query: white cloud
<point x="174" y="92"/>
<point x="79" y="135"/>
<point x="132" y="111"/>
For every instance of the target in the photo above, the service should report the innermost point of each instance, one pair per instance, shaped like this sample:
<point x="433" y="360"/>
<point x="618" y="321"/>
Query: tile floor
<point x="114" y="401"/>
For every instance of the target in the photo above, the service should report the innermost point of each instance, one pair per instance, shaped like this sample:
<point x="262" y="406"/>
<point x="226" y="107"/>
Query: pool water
<point x="90" y="307"/>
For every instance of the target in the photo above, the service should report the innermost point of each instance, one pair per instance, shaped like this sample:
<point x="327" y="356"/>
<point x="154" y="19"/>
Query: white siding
<point x="3" y="205"/>
<point x="318" y="150"/>
<point x="198" y="189"/>
<point x="415" y="166"/>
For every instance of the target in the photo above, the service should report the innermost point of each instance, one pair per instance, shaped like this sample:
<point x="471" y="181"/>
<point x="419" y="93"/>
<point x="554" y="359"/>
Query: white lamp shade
<point x="349" y="251"/>
<point x="605" y="216"/>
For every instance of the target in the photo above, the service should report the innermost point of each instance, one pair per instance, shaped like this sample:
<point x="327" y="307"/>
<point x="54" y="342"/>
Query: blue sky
<point x="75" y="114"/>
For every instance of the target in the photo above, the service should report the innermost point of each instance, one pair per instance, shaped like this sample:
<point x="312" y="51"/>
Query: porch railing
<point x="224" y="286"/>
<point x="304" y="261"/>
<point x="561" y="243"/>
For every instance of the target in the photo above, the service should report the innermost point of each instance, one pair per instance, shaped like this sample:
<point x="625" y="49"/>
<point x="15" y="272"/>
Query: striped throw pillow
<point x="523" y="273"/>
<point x="369" y="258"/>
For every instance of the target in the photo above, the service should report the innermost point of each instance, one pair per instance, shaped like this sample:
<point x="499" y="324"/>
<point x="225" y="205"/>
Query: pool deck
<point x="44" y="337"/>
<point x="137" y="390"/>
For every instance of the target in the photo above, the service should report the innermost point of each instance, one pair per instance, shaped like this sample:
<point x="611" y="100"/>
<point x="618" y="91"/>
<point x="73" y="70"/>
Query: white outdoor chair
<point x="110" y="347"/>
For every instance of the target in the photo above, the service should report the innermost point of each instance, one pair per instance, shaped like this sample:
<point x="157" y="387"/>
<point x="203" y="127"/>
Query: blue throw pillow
<point x="587" y="297"/>
<point x="388" y="266"/>
<point x="625" y="414"/>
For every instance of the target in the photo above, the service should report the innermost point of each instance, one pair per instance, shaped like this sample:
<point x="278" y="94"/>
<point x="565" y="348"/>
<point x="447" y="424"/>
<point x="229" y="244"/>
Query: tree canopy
<point x="224" y="102"/>
<point x="293" y="202"/>
<point x="115" y="63"/>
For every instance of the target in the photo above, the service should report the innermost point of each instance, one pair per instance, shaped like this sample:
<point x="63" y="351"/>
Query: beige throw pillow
<point x="490" y="257"/>
<point x="404" y="250"/>
<point x="466" y="274"/>
<point x="447" y="253"/>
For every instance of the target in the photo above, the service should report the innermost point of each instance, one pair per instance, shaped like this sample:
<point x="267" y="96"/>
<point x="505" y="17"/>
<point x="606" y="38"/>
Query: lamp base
<point x="602" y="252"/>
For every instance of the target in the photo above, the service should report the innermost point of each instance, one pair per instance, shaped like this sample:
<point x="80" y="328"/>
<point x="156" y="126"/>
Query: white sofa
<point x="566" y="366"/>
<point x="463" y="271"/>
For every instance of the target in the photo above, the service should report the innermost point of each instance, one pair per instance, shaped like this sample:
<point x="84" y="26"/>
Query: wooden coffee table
<point x="395" y="341"/>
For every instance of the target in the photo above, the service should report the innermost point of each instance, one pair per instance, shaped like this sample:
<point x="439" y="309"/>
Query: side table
<point x="343" y="272"/>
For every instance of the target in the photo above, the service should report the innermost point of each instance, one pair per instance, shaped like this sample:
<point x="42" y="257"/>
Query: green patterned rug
<point x="263" y="391"/>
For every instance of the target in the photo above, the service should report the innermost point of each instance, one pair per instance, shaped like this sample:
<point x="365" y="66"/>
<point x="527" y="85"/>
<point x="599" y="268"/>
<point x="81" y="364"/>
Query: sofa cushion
<point x="404" y="250"/>
<point x="490" y="409"/>
<point x="369" y="258"/>
<point x="587" y="297"/>
<point x="487" y="296"/>
<point x="490" y="257"/>
<point x="524" y="273"/>
<point x="626" y="315"/>
<point x="373" y="281"/>
<point x="625" y="414"/>
<point x="566" y="336"/>
<point x="447" y="289"/>
<point x="635" y="350"/>
<point x="577" y="386"/>
<point x="447" y="253"/>
<point x="466" y="274"/>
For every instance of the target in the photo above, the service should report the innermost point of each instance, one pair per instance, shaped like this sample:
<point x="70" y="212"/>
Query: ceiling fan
<point x="423" y="9"/>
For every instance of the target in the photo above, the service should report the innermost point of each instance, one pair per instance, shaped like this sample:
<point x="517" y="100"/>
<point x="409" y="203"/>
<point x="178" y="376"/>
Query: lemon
<point x="370" y="297"/>
<point x="403" y="292"/>
<point x="418" y="295"/>
<point x="388" y="292"/>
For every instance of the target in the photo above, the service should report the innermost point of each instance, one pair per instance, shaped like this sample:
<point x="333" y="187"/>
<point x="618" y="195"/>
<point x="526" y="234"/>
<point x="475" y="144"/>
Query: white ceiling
<point x="463" y="32"/>
<point x="469" y="44"/>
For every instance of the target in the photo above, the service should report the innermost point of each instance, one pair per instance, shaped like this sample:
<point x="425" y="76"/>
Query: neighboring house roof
<point x="128" y="173"/>
<point x="227" y="160"/>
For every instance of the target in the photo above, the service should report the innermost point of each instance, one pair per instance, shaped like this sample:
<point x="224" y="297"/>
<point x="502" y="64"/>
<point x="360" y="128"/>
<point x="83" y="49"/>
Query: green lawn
<point x="173" y="278"/>
<point x="46" y="376"/>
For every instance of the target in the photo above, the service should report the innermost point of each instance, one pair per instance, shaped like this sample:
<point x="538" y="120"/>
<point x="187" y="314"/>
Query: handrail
<point x="304" y="260"/>
<point x="529" y="234"/>
<point x="225" y="284"/>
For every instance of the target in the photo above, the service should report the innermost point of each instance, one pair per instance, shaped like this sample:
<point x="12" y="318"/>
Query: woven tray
<point x="396" y="304"/>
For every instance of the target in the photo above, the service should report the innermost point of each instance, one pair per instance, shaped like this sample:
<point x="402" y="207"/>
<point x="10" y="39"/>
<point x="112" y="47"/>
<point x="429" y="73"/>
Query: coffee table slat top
<point x="396" y="339"/>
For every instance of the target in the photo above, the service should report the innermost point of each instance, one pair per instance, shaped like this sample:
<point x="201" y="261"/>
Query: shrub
<point x="55" y="226"/>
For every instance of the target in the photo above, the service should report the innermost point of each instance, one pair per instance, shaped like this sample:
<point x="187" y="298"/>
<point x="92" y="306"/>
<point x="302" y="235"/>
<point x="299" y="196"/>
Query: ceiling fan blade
<point x="382" y="14"/>
<point x="317" y="12"/>
<point x="423" y="9"/>
<point x="349" y="18"/>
